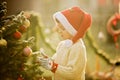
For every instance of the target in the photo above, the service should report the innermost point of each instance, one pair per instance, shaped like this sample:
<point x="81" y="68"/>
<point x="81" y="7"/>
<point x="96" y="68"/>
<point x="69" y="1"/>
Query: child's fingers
<point x="42" y="53"/>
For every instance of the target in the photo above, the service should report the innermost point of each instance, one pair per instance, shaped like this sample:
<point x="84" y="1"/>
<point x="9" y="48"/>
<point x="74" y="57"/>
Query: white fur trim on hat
<point x="65" y="23"/>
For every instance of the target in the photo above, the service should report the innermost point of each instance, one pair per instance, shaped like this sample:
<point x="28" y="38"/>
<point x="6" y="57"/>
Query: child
<point x="69" y="61"/>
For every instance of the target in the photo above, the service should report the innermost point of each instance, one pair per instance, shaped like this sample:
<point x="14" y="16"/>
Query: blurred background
<point x="102" y="52"/>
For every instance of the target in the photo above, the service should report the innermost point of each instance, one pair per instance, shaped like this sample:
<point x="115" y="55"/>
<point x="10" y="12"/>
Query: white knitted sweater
<point x="71" y="60"/>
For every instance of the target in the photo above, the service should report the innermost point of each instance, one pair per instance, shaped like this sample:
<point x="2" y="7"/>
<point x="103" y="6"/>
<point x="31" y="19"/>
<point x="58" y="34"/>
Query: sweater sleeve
<point x="75" y="65"/>
<point x="55" y="54"/>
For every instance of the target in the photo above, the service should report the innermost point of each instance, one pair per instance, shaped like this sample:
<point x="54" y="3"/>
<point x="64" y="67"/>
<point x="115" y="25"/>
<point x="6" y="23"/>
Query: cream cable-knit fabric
<point x="71" y="61"/>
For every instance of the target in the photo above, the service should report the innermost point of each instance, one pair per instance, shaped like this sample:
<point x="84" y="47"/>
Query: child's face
<point x="62" y="31"/>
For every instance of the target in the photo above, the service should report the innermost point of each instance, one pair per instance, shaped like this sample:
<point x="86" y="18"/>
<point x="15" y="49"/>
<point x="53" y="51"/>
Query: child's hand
<point x="44" y="60"/>
<point x="46" y="63"/>
<point x="43" y="53"/>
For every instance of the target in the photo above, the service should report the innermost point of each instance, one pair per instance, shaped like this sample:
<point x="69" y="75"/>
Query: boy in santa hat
<point x="69" y="61"/>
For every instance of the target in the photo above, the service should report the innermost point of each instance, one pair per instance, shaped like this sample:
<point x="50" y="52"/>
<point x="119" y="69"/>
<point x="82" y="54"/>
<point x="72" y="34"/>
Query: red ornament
<point x="19" y="78"/>
<point x="113" y="22"/>
<point x="27" y="51"/>
<point x="17" y="35"/>
<point x="22" y="28"/>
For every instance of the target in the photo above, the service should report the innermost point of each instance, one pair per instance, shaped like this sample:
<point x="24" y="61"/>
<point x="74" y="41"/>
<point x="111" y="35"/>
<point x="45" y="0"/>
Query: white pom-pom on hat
<point x="68" y="43"/>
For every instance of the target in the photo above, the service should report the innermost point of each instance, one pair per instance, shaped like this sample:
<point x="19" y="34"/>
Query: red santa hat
<point x="75" y="21"/>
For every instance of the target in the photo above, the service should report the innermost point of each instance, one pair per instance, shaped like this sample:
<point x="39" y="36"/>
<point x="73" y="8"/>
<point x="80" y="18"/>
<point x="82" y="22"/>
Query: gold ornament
<point x="3" y="42"/>
<point x="26" y="23"/>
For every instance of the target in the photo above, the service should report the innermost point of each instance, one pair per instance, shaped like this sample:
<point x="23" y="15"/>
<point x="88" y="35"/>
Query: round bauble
<point x="19" y="78"/>
<point x="17" y="35"/>
<point x="27" y="14"/>
<point x="3" y="42"/>
<point x="27" y="51"/>
<point x="26" y="23"/>
<point x="22" y="28"/>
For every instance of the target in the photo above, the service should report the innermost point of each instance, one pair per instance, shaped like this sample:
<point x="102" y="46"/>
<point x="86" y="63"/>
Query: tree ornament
<point x="3" y="42"/>
<point x="27" y="51"/>
<point x="3" y="29"/>
<point x="17" y="35"/>
<point x="112" y="23"/>
<point x="22" y="28"/>
<point x="20" y="78"/>
<point x="26" y="23"/>
<point x="27" y="14"/>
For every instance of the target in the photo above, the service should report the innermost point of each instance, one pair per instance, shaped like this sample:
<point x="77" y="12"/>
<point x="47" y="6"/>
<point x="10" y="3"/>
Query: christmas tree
<point x="17" y="60"/>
